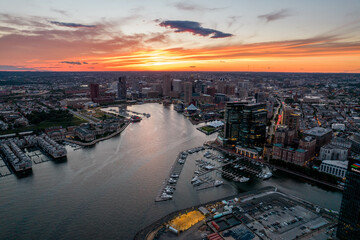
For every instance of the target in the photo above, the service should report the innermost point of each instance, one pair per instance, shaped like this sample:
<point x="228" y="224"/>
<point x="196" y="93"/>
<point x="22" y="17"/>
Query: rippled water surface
<point x="108" y="191"/>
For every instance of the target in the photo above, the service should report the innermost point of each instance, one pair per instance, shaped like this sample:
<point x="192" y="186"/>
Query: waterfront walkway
<point x="100" y="139"/>
<point x="231" y="152"/>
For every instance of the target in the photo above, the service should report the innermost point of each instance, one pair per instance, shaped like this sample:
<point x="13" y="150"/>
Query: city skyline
<point x="276" y="36"/>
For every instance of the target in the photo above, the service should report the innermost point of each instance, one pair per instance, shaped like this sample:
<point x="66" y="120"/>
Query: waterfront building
<point x="94" y="91"/>
<point x="245" y="124"/>
<point x="333" y="152"/>
<point x="289" y="154"/>
<point x="84" y="134"/>
<point x="187" y="92"/>
<point x="349" y="217"/>
<point x="248" y="152"/>
<point x="309" y="144"/>
<point x="333" y="167"/>
<point x="121" y="85"/>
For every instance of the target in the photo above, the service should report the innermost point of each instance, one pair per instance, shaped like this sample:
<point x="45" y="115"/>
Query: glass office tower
<point x="245" y="124"/>
<point x="349" y="218"/>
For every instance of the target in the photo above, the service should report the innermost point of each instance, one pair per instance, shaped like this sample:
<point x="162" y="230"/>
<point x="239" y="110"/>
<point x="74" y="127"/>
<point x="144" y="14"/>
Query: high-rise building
<point x="245" y="124"/>
<point x="94" y="91"/>
<point x="166" y="85"/>
<point x="260" y="97"/>
<point x="349" y="217"/>
<point x="177" y="85"/>
<point x="122" y="88"/>
<point x="187" y="92"/>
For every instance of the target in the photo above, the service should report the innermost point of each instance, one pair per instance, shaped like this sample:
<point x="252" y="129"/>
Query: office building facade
<point x="349" y="217"/>
<point x="121" y="93"/>
<point x="94" y="91"/>
<point x="245" y="124"/>
<point x="187" y="93"/>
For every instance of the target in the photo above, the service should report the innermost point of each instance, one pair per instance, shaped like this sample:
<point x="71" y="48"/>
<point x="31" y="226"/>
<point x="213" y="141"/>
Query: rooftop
<point x="317" y="131"/>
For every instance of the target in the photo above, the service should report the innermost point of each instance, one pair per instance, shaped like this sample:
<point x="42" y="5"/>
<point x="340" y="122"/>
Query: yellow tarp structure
<point x="185" y="221"/>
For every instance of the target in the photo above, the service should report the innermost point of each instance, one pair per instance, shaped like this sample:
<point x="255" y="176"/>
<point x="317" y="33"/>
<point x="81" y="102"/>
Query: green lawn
<point x="208" y="129"/>
<point x="45" y="124"/>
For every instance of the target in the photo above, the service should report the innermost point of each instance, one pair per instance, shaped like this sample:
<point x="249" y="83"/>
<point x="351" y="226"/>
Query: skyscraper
<point x="122" y="88"/>
<point x="349" y="218"/>
<point x="166" y="85"/>
<point x="245" y="124"/>
<point x="187" y="92"/>
<point x="94" y="91"/>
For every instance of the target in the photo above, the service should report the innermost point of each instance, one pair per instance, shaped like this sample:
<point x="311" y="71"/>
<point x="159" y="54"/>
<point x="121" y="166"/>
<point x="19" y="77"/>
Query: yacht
<point x="166" y="196"/>
<point x="218" y="183"/>
<point x="171" y="180"/>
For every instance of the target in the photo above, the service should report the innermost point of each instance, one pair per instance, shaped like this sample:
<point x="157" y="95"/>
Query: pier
<point x="175" y="169"/>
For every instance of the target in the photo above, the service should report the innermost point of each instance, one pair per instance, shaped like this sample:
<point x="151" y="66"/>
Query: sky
<point x="173" y="35"/>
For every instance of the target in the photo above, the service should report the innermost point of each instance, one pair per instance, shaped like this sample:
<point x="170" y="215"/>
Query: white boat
<point x="267" y="175"/>
<point x="168" y="191"/>
<point x="166" y="196"/>
<point x="218" y="183"/>
<point x="171" y="180"/>
<point x="195" y="179"/>
<point x="244" y="179"/>
<point x="197" y="182"/>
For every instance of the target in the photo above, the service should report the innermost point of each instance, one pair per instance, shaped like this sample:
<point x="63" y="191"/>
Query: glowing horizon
<point x="181" y="36"/>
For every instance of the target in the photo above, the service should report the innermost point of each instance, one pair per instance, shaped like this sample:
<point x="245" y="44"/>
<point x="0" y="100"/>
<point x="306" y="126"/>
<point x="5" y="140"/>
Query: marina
<point x="115" y="182"/>
<point x="168" y="186"/>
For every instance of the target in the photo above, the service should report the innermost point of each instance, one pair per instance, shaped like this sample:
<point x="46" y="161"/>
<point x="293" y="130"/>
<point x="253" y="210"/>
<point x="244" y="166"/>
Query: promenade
<point x="99" y="139"/>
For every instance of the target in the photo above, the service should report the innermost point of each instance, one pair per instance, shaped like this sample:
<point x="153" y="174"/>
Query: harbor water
<point x="107" y="191"/>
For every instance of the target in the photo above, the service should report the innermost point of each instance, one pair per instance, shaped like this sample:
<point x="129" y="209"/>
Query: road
<point x="82" y="116"/>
